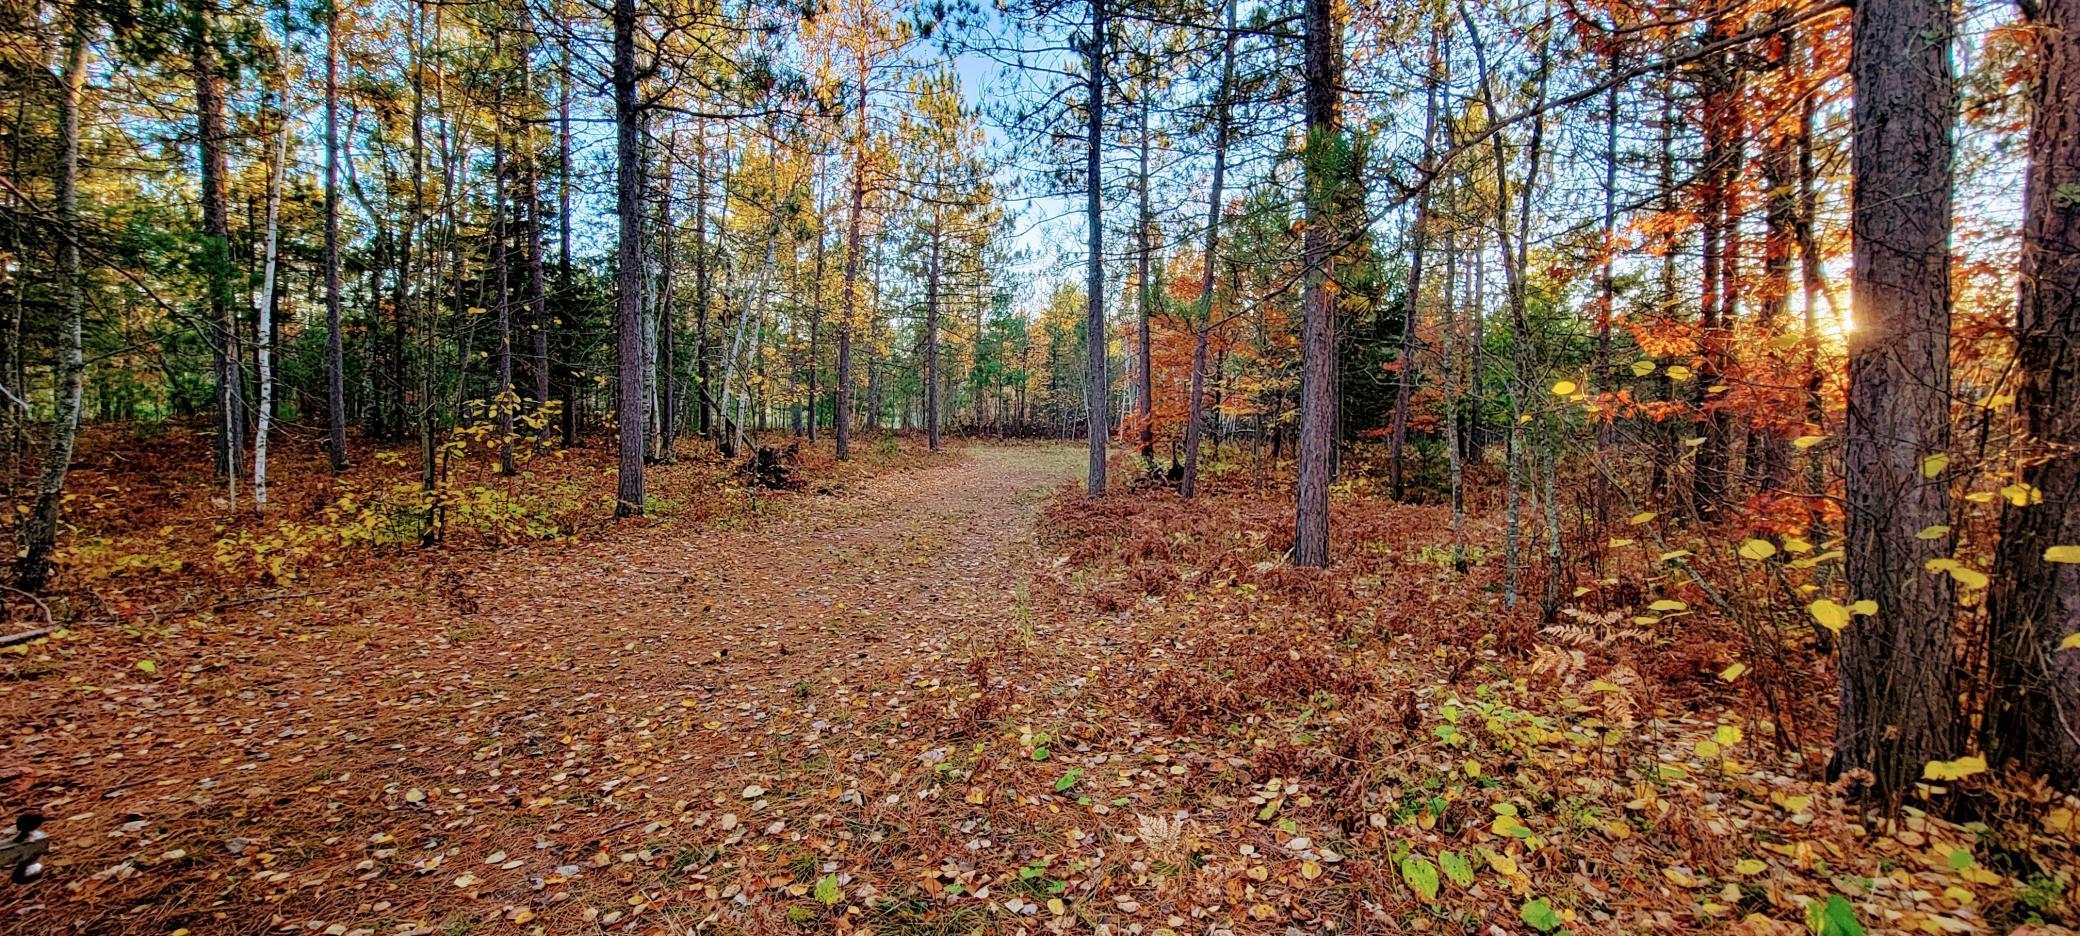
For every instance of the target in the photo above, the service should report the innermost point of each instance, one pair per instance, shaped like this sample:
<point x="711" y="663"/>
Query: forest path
<point x="908" y="564"/>
<point x="420" y="751"/>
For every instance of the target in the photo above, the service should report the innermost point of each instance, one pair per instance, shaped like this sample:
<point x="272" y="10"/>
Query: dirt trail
<point x="356" y="759"/>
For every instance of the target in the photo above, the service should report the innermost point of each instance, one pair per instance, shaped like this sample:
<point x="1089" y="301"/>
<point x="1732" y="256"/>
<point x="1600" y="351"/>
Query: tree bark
<point x="1405" y="382"/>
<point x="507" y="400"/>
<point x="1898" y="676"/>
<point x="2034" y="696"/>
<point x="40" y="528"/>
<point x="564" y="282"/>
<point x="849" y="318"/>
<point x="216" y="240"/>
<point x="1144" y="383"/>
<point x="335" y="354"/>
<point x="1098" y="387"/>
<point x="1194" y="427"/>
<point x="263" y="307"/>
<point x="1325" y="155"/>
<point x="931" y="337"/>
<point x="629" y="496"/>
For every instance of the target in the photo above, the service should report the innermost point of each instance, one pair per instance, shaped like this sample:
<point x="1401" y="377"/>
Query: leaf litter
<point x="959" y="698"/>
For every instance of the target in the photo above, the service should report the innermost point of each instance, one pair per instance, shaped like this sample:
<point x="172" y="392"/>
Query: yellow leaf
<point x="1056" y="906"/>
<point x="1678" y="372"/>
<point x="1667" y="604"/>
<point x="1954" y="770"/>
<point x="1728" y="734"/>
<point x="1785" y="342"/>
<point x="1936" y="531"/>
<point x="1807" y="441"/>
<point x="1796" y="545"/>
<point x="1969" y="578"/>
<point x="1934" y="464"/>
<point x="1979" y="497"/>
<point x="2070" y="642"/>
<point x="2022" y="495"/>
<point x="1618" y="542"/>
<point x="1679" y="877"/>
<point x="148" y="666"/>
<point x="1674" y="554"/>
<point x="1639" y="518"/>
<point x="1503" y="864"/>
<point x="1642" y="368"/>
<point x="1980" y="875"/>
<point x="1310" y="869"/>
<point x="1749" y="866"/>
<point x="1832" y="616"/>
<point x="1866" y="607"/>
<point x="1563" y="388"/>
<point x="2062" y="554"/>
<point x="1758" y="549"/>
<point x="1733" y="672"/>
<point x="1708" y="749"/>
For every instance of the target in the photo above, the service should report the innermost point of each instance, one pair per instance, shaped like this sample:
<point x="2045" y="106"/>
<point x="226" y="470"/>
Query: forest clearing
<point x="1128" y="467"/>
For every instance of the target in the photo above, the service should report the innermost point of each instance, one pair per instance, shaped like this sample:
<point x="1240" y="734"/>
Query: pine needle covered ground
<point x="950" y="695"/>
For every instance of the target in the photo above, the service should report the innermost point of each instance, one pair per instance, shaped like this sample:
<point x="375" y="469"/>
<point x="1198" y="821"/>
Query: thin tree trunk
<point x="1325" y="155"/>
<point x="212" y="137"/>
<point x="1605" y="381"/>
<point x="507" y="400"/>
<point x="2034" y="710"/>
<point x="40" y="527"/>
<point x="1770" y="450"/>
<point x="1898" y="675"/>
<point x="701" y="351"/>
<point x="931" y="338"/>
<point x="1098" y="387"/>
<point x="1144" y="383"/>
<point x="667" y="329"/>
<point x="629" y="494"/>
<point x="1452" y="402"/>
<point x="335" y="354"/>
<point x="564" y="282"/>
<point x="1405" y="379"/>
<point x="1222" y="122"/>
<point x="263" y="308"/>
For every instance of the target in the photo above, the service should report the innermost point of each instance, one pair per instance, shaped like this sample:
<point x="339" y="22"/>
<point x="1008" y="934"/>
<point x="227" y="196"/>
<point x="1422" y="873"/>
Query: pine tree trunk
<point x="1098" y="387"/>
<point x="212" y="138"/>
<point x="2034" y="710"/>
<point x="1899" y="680"/>
<point x="629" y="495"/>
<point x="667" y="328"/>
<point x="564" y="282"/>
<point x="1144" y="383"/>
<point x="1194" y="426"/>
<point x="931" y="338"/>
<point x="1325" y="155"/>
